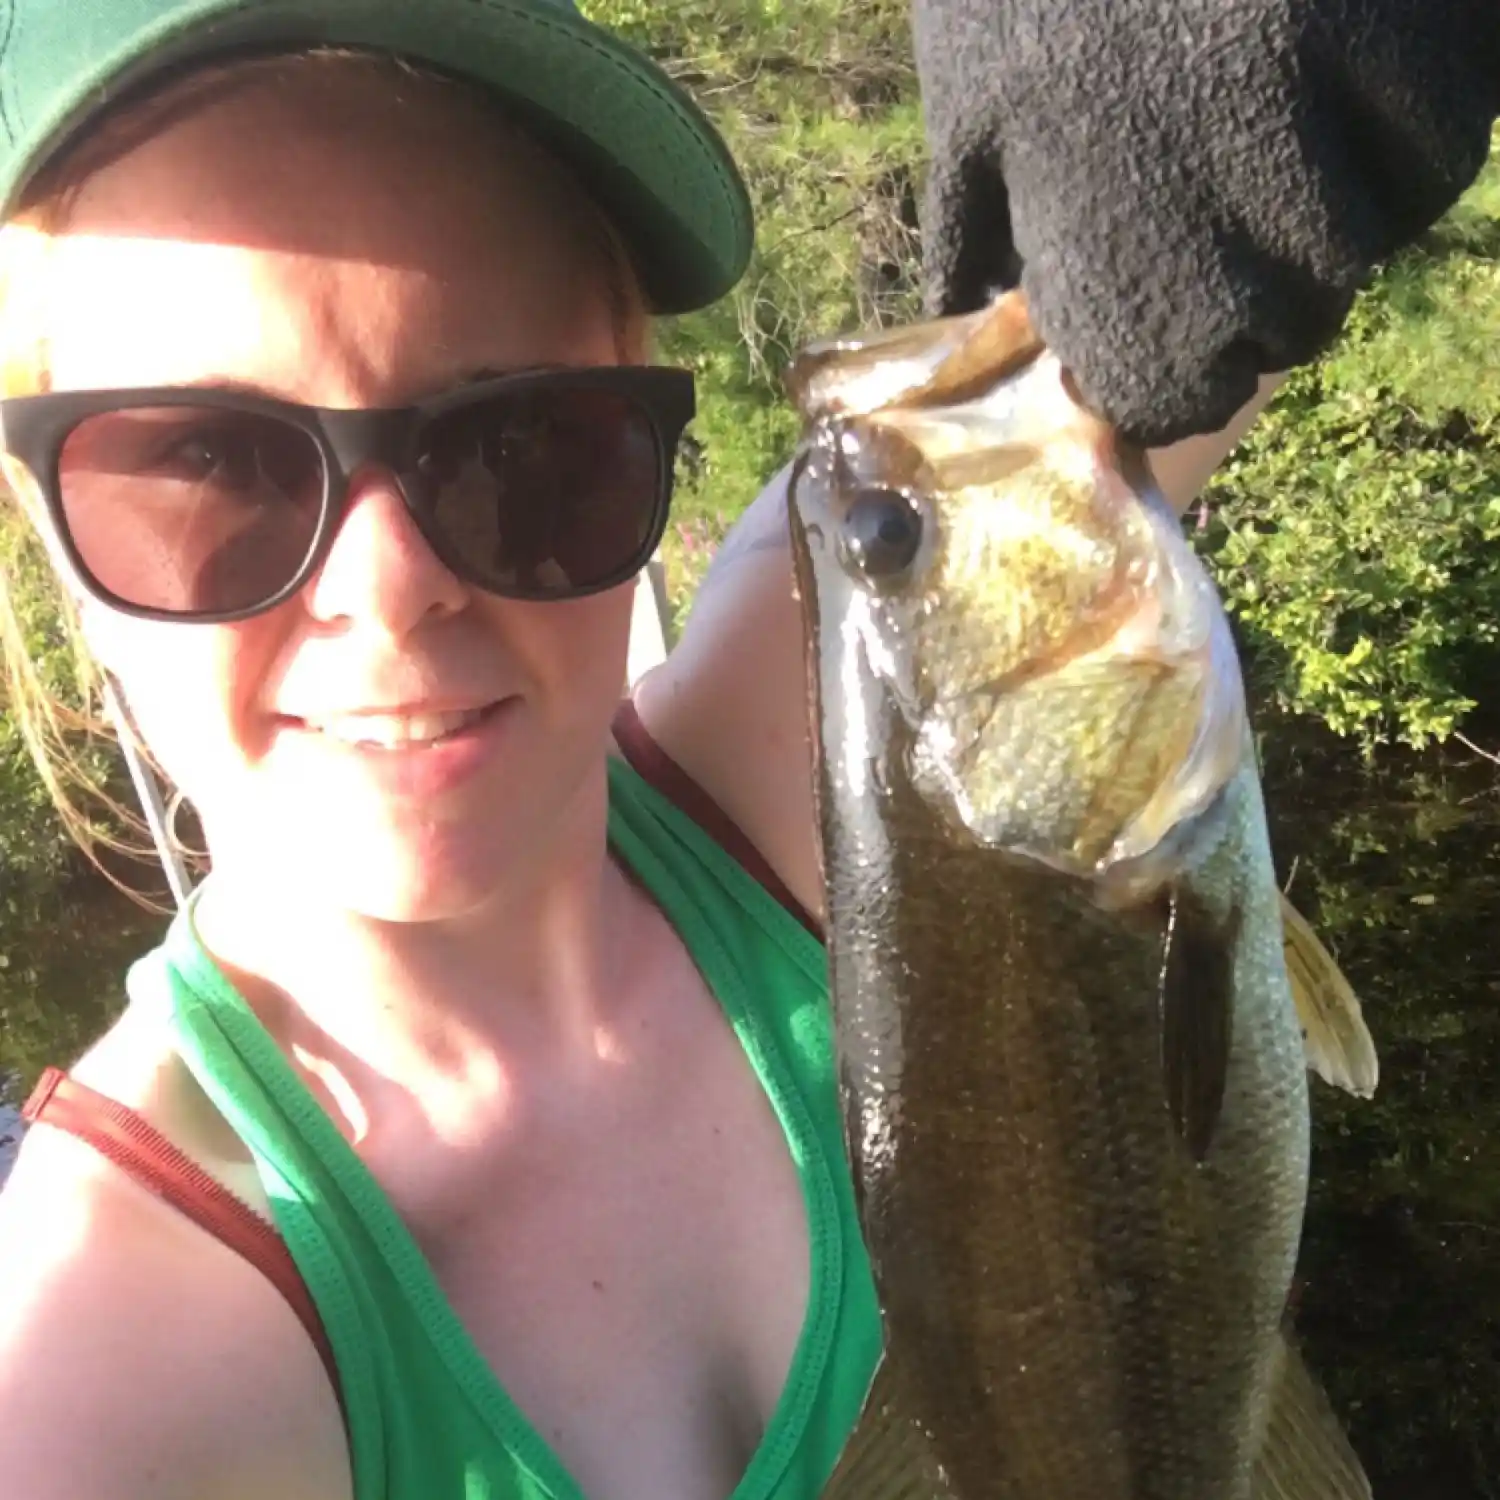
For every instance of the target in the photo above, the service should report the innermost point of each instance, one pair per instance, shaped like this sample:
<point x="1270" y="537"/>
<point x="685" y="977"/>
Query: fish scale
<point x="1073" y="1074"/>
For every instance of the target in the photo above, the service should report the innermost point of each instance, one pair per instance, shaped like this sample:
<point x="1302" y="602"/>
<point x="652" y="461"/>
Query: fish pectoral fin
<point x="1305" y="1454"/>
<point x="1340" y="1049"/>
<point x="1197" y="1015"/>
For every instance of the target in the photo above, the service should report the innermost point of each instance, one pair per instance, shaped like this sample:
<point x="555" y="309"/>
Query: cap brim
<point x="640" y="146"/>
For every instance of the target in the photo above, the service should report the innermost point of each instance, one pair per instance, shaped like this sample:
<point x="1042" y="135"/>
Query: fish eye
<point x="882" y="531"/>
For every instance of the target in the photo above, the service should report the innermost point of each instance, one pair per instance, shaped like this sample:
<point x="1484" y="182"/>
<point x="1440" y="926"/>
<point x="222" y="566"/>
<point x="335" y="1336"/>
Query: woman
<point x="524" y="1051"/>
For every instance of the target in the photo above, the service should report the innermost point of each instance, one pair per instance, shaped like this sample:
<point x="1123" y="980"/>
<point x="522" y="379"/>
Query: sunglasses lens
<point x="547" y="492"/>
<point x="191" y="509"/>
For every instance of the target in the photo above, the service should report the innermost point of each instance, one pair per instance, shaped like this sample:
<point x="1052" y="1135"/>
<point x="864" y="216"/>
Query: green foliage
<point x="1354" y="533"/>
<point x="31" y="846"/>
<point x="63" y="949"/>
<point x="818" y="101"/>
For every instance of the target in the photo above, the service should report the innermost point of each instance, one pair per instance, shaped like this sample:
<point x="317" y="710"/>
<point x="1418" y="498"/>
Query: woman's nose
<point x="380" y="570"/>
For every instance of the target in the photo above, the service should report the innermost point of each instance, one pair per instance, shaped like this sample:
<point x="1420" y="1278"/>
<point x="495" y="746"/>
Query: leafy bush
<point x="32" y="849"/>
<point x="1354" y="533"/>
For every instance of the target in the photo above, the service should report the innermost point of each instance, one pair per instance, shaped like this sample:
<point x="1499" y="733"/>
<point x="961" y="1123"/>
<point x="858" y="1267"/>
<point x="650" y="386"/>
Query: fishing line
<point x="148" y="793"/>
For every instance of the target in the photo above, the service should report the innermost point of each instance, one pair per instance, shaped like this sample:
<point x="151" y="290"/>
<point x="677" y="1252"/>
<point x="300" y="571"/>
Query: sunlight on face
<point x="331" y="246"/>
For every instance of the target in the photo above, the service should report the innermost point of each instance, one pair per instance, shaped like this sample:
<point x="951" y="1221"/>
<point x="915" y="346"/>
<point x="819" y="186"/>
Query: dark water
<point x="1399" y="1291"/>
<point x="1399" y="1310"/>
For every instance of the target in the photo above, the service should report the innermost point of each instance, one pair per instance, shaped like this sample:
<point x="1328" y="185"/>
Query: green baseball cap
<point x="641" y="147"/>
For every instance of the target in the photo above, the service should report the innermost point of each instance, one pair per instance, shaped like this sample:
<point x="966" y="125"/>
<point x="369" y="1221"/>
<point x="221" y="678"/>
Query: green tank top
<point x="427" y="1420"/>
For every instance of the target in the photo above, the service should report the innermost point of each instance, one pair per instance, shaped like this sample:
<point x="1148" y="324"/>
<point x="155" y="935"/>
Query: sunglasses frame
<point x="35" y="429"/>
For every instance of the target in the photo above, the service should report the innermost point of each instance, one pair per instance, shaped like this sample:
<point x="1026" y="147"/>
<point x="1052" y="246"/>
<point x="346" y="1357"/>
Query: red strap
<point x="143" y="1153"/>
<point x="655" y="767"/>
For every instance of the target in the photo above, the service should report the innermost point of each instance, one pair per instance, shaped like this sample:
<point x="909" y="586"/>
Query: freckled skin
<point x="1076" y="1308"/>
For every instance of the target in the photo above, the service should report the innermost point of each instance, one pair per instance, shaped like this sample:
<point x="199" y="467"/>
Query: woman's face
<point x="329" y="244"/>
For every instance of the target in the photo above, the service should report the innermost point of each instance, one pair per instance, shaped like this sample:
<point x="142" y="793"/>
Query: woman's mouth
<point x="417" y="754"/>
<point x="399" y="731"/>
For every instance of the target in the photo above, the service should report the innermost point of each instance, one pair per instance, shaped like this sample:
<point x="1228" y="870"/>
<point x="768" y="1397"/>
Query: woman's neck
<point x="533" y="973"/>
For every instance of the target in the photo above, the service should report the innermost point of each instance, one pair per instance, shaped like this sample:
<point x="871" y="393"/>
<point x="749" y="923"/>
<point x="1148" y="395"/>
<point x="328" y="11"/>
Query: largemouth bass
<point x="1073" y="1072"/>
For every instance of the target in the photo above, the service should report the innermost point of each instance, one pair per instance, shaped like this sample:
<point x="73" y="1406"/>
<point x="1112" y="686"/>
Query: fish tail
<point x="1305" y="1454"/>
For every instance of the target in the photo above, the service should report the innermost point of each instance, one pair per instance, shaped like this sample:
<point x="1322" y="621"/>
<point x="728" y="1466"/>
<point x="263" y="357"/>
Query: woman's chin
<point x="349" y="844"/>
<point x="432" y="874"/>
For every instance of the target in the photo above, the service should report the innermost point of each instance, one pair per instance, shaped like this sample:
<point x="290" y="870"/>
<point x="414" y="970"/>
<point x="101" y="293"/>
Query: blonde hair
<point x="56" y="707"/>
<point x="61" y="720"/>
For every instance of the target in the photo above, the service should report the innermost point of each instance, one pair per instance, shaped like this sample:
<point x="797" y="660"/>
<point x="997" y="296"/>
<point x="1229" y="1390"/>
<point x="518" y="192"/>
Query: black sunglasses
<point x="181" y="504"/>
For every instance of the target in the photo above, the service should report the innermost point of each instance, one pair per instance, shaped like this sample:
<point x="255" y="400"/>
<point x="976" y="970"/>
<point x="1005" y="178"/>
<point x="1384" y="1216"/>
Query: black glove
<point x="1191" y="191"/>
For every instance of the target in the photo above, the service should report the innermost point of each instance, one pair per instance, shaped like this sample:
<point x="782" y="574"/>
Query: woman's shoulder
<point x="138" y="1355"/>
<point x="729" y="705"/>
<point x="136" y="1063"/>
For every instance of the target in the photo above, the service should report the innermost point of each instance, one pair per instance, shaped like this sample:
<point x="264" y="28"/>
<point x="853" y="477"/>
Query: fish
<point x="1073" y="1064"/>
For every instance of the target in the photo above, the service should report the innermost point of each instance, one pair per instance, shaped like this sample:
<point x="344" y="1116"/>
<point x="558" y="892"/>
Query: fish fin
<point x="1340" y="1049"/>
<point x="1197" y="1012"/>
<point x="1305" y="1454"/>
<point x="886" y="1457"/>
<point x="1219" y="745"/>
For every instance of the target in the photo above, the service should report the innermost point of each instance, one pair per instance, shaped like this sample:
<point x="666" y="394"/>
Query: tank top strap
<point x="659" y="771"/>
<point x="125" y="1137"/>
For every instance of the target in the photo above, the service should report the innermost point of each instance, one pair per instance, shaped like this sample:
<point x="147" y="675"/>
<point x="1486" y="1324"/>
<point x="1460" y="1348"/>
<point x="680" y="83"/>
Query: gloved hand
<point x="1191" y="191"/>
